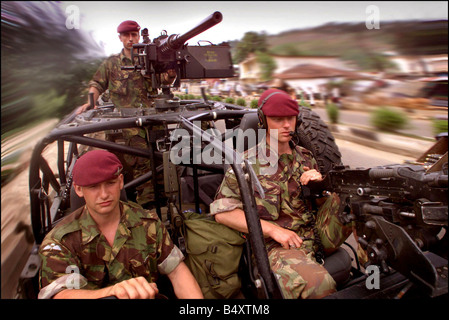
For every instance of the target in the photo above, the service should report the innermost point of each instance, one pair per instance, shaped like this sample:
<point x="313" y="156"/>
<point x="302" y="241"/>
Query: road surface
<point x="355" y="155"/>
<point x="417" y="127"/>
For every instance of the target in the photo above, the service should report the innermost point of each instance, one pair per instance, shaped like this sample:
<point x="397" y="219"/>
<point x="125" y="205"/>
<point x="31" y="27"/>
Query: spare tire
<point x="314" y="135"/>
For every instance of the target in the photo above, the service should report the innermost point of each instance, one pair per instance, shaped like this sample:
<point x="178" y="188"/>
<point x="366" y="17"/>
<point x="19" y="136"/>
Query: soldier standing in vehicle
<point x="109" y="247"/>
<point x="128" y="89"/>
<point x="295" y="236"/>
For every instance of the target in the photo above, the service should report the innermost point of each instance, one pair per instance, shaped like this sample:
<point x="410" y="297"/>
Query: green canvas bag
<point x="213" y="255"/>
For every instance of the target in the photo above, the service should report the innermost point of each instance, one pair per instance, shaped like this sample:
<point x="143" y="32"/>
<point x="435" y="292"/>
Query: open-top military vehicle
<point x="400" y="210"/>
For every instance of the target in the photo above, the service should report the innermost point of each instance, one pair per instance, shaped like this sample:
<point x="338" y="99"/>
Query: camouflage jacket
<point x="127" y="88"/>
<point x="283" y="204"/>
<point x="76" y="255"/>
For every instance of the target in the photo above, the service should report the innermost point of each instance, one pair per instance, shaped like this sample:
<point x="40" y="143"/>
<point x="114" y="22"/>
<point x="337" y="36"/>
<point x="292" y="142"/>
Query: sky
<point x="239" y="17"/>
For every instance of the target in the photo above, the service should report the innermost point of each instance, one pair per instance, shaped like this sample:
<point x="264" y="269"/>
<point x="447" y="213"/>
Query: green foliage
<point x="439" y="126"/>
<point x="47" y="65"/>
<point x="241" y="102"/>
<point x="267" y="65"/>
<point x="333" y="113"/>
<point x="230" y="100"/>
<point x="47" y="102"/>
<point x="217" y="98"/>
<point x="387" y="119"/>
<point x="305" y="104"/>
<point x="253" y="104"/>
<point x="250" y="43"/>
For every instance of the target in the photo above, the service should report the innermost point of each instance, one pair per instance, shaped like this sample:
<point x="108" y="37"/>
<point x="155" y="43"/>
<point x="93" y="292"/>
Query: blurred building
<point x="250" y="71"/>
<point x="418" y="65"/>
<point x="315" y="77"/>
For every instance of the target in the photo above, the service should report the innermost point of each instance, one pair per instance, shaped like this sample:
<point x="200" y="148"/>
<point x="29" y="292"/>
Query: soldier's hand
<point x="286" y="238"/>
<point x="171" y="73"/>
<point x="310" y="175"/>
<point x="135" y="288"/>
<point x="83" y="108"/>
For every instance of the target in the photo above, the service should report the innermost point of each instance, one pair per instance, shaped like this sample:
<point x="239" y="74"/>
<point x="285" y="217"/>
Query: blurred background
<point x="383" y="62"/>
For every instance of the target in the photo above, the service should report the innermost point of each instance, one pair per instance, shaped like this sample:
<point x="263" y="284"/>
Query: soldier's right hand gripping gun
<point x="401" y="217"/>
<point x="190" y="62"/>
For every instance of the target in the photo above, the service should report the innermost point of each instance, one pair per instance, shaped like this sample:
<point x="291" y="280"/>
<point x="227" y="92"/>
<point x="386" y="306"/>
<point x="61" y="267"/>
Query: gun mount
<point x="401" y="218"/>
<point x="189" y="62"/>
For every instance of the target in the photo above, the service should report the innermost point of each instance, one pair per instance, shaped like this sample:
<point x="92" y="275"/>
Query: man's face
<point x="283" y="125"/>
<point x="102" y="198"/>
<point x="129" y="38"/>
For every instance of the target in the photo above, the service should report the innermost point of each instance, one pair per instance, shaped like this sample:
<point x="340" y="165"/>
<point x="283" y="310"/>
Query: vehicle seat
<point x="338" y="264"/>
<point x="207" y="185"/>
<point x="249" y="121"/>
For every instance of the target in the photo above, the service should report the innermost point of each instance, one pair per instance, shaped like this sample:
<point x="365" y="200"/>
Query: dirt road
<point x="16" y="234"/>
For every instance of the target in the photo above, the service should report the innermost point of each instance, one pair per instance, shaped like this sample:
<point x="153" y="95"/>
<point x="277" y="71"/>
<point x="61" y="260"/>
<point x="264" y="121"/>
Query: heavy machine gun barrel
<point x="174" y="42"/>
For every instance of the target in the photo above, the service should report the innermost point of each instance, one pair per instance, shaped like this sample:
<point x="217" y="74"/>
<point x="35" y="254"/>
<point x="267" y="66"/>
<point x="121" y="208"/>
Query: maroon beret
<point x="128" y="26"/>
<point x="277" y="103"/>
<point x="96" y="166"/>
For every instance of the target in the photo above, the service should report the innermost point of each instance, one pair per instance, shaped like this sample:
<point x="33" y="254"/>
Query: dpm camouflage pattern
<point x="136" y="138"/>
<point x="127" y="88"/>
<point x="130" y="89"/>
<point x="142" y="247"/>
<point x="298" y="273"/>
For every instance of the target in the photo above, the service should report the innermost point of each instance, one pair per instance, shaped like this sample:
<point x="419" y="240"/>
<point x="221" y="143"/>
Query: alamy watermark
<point x="73" y="280"/>
<point x="208" y="148"/>
<point x="373" y="17"/>
<point x="73" y="17"/>
<point x="373" y="279"/>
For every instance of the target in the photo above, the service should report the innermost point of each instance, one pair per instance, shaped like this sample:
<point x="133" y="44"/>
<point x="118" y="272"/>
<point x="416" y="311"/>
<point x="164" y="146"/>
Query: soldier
<point x="128" y="89"/>
<point x="295" y="236"/>
<point x="109" y="247"/>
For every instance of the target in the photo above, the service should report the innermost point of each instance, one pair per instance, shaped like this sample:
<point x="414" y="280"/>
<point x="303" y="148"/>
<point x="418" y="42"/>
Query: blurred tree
<point x="250" y="43"/>
<point x="379" y="62"/>
<point x="430" y="37"/>
<point x="267" y="65"/>
<point x="43" y="62"/>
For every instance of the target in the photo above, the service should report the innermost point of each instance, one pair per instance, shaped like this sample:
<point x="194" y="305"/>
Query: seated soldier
<point x="114" y="248"/>
<point x="294" y="235"/>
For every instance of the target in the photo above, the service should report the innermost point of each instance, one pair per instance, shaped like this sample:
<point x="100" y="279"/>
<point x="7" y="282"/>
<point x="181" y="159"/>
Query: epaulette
<point x="67" y="225"/>
<point x="140" y="211"/>
<point x="303" y="150"/>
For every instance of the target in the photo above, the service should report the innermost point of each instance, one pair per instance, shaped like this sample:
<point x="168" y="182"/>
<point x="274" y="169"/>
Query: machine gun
<point x="190" y="62"/>
<point x="401" y="217"/>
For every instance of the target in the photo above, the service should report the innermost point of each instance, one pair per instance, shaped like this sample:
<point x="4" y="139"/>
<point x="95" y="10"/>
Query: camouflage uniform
<point x="298" y="273"/>
<point x="129" y="89"/>
<point x="142" y="247"/>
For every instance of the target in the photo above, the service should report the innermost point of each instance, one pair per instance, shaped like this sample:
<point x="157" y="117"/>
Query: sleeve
<point x="228" y="195"/>
<point x="169" y="255"/>
<point x="307" y="159"/>
<point x="59" y="269"/>
<point x="100" y="78"/>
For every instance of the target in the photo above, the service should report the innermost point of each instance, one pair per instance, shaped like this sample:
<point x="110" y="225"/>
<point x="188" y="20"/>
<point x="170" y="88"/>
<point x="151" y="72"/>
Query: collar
<point x="124" y="58"/>
<point x="268" y="155"/>
<point x="88" y="226"/>
<point x="90" y="230"/>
